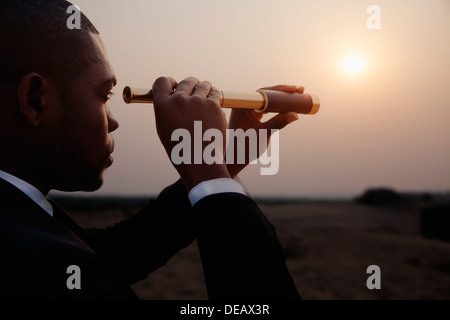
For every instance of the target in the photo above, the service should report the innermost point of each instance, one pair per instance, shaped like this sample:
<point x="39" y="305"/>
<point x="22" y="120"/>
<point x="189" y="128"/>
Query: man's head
<point x="54" y="84"/>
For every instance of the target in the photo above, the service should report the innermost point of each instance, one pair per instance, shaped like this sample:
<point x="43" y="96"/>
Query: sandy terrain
<point x="328" y="247"/>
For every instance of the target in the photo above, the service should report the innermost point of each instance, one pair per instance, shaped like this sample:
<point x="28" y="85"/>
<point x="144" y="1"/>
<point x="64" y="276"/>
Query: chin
<point x="85" y="187"/>
<point x="87" y="184"/>
<point x="93" y="184"/>
<point x="93" y="187"/>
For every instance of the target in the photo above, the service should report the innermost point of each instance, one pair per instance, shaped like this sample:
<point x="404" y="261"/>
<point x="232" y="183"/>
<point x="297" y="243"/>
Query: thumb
<point x="280" y="120"/>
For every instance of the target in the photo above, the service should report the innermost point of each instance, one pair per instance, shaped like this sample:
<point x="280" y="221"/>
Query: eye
<point x="108" y="96"/>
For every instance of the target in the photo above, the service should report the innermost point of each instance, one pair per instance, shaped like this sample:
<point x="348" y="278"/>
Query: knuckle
<point x="192" y="79"/>
<point x="196" y="100"/>
<point x="215" y="93"/>
<point x="203" y="86"/>
<point x="179" y="99"/>
<point x="160" y="79"/>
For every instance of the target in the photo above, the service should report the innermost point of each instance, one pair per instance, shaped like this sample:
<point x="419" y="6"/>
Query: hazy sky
<point x="388" y="125"/>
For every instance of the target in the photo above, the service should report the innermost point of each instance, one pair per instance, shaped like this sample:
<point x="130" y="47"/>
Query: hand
<point x="249" y="119"/>
<point x="191" y="101"/>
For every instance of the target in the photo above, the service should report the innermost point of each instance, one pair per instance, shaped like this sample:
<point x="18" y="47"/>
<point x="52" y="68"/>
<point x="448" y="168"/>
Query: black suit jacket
<point x="240" y="253"/>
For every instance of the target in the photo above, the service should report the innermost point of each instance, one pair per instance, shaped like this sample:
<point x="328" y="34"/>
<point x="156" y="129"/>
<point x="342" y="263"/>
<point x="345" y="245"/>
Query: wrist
<point x="193" y="174"/>
<point x="234" y="169"/>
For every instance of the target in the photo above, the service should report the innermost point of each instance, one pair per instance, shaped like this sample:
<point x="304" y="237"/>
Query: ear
<point x="31" y="98"/>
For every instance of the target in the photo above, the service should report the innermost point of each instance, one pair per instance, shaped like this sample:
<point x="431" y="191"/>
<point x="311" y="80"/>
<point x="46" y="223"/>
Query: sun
<point x="354" y="64"/>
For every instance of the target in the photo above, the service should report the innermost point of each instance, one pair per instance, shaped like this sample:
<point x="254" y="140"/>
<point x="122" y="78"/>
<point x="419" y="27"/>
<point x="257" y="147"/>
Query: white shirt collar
<point x="32" y="192"/>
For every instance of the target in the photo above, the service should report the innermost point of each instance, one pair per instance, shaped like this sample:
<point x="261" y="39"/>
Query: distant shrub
<point x="380" y="197"/>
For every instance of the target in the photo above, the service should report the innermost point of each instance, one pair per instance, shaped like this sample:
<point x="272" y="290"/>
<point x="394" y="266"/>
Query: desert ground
<point x="328" y="248"/>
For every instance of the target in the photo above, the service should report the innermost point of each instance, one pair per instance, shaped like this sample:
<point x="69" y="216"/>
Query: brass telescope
<point x="260" y="100"/>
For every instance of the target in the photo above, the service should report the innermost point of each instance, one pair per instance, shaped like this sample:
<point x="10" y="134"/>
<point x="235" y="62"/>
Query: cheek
<point x="94" y="133"/>
<point x="87" y="137"/>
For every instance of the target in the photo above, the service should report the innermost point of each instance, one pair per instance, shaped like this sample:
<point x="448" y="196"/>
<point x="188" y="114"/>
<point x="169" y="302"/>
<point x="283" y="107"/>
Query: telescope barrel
<point x="260" y="100"/>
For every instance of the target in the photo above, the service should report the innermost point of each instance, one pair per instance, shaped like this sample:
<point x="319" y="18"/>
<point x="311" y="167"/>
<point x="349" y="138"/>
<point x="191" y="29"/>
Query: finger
<point x="202" y="89"/>
<point x="300" y="89"/>
<point x="280" y="121"/>
<point x="163" y="86"/>
<point x="215" y="94"/>
<point x="186" y="86"/>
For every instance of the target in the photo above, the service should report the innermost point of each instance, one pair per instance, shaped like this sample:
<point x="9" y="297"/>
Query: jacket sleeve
<point x="241" y="255"/>
<point x="147" y="240"/>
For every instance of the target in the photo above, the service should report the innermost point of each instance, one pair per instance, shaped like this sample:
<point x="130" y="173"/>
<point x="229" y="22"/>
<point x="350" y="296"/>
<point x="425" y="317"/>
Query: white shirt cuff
<point x="214" y="186"/>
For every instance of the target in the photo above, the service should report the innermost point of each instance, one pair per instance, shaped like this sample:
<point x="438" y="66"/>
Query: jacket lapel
<point x="23" y="219"/>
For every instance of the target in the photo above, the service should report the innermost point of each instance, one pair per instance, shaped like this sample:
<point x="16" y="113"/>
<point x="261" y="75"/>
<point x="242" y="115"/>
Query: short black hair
<point x="34" y="37"/>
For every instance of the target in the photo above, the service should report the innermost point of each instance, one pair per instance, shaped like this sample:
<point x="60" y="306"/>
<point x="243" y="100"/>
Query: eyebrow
<point x="112" y="80"/>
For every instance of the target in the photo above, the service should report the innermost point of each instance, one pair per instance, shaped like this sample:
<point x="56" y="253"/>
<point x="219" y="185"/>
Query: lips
<point x="110" y="159"/>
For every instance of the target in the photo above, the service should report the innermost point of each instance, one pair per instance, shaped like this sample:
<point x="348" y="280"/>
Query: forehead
<point x="99" y="68"/>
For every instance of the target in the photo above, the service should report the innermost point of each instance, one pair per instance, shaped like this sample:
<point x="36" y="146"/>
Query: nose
<point x="113" y="124"/>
